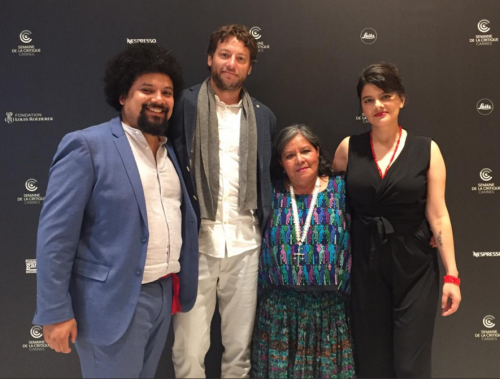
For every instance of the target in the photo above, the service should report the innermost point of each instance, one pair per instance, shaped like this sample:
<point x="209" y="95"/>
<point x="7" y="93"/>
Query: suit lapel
<point x="190" y="114"/>
<point x="260" y="136"/>
<point x="128" y="160"/>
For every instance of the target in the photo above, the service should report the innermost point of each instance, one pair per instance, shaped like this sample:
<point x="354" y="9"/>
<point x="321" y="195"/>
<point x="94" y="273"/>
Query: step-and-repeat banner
<point x="52" y="58"/>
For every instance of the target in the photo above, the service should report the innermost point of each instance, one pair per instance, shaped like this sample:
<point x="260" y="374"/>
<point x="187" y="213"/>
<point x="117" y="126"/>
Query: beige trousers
<point x="233" y="282"/>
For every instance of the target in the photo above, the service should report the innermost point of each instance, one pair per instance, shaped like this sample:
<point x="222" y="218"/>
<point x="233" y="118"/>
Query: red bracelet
<point x="452" y="279"/>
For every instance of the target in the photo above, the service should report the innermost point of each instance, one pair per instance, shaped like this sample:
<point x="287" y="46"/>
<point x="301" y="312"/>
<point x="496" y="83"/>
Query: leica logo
<point x="368" y="36"/>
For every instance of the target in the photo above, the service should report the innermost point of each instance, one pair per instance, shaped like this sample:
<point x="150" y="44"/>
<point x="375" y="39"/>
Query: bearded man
<point x="115" y="250"/>
<point x="222" y="137"/>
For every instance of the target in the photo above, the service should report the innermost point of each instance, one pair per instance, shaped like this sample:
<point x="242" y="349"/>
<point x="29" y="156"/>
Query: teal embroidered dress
<point x="302" y="326"/>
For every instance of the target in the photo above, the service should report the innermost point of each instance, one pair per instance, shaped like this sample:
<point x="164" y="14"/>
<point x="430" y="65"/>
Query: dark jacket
<point x="181" y="132"/>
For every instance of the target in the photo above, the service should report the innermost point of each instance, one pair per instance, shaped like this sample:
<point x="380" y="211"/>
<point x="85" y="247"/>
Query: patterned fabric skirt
<point x="302" y="335"/>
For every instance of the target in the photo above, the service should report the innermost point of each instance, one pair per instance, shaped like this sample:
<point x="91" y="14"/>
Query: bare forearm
<point x="443" y="234"/>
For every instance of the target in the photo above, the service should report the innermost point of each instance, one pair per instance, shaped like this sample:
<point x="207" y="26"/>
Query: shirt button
<point x="144" y="239"/>
<point x="138" y="271"/>
<point x="187" y="168"/>
<point x="258" y="106"/>
<point x="194" y="197"/>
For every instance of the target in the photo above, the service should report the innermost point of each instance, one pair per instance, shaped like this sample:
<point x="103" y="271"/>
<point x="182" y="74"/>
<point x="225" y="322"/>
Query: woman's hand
<point x="451" y="299"/>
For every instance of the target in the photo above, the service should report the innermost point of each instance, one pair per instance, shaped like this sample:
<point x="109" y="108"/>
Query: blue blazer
<point x="93" y="236"/>
<point x="181" y="131"/>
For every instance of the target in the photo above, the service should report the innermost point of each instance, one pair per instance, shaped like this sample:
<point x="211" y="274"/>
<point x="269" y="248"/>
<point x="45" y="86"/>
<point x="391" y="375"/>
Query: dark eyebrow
<point x="150" y="85"/>
<point x="366" y="97"/>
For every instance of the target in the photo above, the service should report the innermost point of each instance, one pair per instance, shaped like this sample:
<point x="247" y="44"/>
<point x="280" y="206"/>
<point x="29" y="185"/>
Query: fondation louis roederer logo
<point x="485" y="174"/>
<point x="9" y="119"/>
<point x="488" y="321"/>
<point x="24" y="36"/>
<point x="368" y="36"/>
<point x="482" y="26"/>
<point x="255" y="32"/>
<point x="485" y="106"/>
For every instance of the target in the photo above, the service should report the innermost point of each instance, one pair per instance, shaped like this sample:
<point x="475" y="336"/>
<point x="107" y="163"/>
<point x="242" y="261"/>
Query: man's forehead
<point x="151" y="78"/>
<point x="231" y="40"/>
<point x="149" y="84"/>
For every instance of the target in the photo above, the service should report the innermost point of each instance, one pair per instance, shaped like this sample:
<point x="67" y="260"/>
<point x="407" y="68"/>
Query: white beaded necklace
<point x="302" y="237"/>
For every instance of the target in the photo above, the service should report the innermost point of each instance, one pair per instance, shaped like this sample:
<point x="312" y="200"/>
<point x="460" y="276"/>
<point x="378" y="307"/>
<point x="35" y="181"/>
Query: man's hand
<point x="57" y="335"/>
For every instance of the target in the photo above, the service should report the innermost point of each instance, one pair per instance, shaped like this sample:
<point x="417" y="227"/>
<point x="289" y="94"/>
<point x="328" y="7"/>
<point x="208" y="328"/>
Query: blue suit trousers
<point x="137" y="353"/>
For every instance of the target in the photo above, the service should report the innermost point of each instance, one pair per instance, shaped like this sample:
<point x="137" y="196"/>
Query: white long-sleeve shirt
<point x="163" y="196"/>
<point x="233" y="232"/>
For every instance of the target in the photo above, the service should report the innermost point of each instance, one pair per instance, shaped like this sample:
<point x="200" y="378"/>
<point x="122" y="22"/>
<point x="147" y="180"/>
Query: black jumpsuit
<point x="395" y="273"/>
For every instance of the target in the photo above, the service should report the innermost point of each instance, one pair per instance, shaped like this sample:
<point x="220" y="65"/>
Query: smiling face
<point x="149" y="103"/>
<point x="300" y="161"/>
<point x="230" y="65"/>
<point x="381" y="108"/>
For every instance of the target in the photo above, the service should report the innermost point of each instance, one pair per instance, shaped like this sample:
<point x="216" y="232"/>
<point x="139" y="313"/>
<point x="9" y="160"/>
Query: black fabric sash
<point x="381" y="223"/>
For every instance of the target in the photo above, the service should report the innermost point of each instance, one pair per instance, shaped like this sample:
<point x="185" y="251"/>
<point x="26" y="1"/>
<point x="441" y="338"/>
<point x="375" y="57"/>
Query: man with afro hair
<point x="115" y="251"/>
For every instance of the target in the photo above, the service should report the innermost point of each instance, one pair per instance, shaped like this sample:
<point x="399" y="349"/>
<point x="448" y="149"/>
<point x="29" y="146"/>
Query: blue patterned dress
<point x="302" y="325"/>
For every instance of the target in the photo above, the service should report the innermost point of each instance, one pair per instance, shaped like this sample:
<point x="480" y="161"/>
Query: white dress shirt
<point x="233" y="232"/>
<point x="163" y="196"/>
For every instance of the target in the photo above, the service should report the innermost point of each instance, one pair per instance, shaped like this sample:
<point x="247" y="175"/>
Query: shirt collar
<point x="219" y="102"/>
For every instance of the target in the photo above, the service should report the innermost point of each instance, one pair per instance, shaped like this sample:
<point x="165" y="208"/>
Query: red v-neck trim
<point x="393" y="162"/>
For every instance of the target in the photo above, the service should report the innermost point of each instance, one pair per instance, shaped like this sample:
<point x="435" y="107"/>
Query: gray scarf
<point x="205" y="156"/>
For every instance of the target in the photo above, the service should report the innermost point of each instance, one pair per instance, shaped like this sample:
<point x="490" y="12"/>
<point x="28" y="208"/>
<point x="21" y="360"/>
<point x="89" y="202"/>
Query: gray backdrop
<point x="52" y="57"/>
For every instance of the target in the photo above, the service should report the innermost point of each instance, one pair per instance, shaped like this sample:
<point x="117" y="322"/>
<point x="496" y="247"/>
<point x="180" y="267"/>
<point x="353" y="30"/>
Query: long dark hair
<point x="286" y="135"/>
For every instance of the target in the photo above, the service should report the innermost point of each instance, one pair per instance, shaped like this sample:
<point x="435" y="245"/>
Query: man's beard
<point x="155" y="128"/>
<point x="219" y="83"/>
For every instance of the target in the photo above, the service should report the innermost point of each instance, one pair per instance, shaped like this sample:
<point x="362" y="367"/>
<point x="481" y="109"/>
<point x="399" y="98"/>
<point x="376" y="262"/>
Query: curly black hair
<point x="138" y="59"/>
<point x="286" y="135"/>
